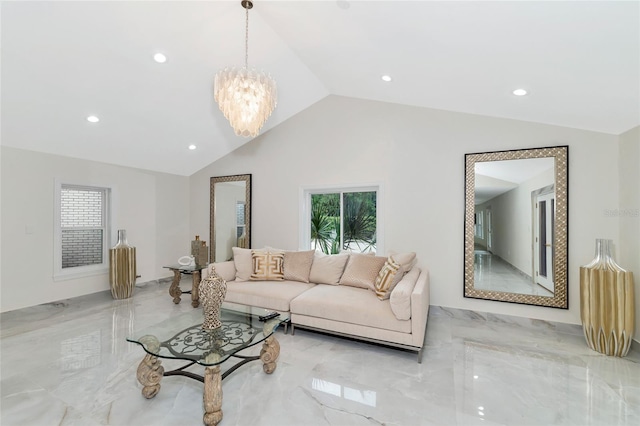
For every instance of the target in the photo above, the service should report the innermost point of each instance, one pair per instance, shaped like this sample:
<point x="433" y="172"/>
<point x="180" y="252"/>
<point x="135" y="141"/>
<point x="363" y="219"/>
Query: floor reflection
<point x="366" y="397"/>
<point x="494" y="274"/>
<point x="81" y="351"/>
<point x="123" y="315"/>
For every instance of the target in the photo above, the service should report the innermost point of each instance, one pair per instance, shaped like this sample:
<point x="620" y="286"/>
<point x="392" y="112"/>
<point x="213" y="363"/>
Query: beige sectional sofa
<point x="373" y="298"/>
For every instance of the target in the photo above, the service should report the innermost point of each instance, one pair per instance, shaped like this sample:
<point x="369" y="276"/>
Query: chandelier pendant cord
<point x="246" y="39"/>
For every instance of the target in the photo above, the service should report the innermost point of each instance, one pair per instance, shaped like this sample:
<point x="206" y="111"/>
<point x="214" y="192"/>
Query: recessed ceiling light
<point x="192" y="147"/>
<point x="160" y="58"/>
<point x="92" y="119"/>
<point x="519" y="92"/>
<point x="386" y="78"/>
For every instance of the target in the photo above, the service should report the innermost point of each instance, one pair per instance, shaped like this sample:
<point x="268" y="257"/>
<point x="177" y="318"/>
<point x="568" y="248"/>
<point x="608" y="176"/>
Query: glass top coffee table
<point x="183" y="338"/>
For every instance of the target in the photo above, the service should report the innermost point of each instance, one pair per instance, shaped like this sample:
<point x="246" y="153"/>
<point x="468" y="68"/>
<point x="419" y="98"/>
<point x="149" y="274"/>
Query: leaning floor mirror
<point x="515" y="226"/>
<point x="230" y="215"/>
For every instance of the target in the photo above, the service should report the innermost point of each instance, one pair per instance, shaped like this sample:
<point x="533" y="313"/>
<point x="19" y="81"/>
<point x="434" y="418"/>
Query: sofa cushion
<point x="388" y="277"/>
<point x="274" y="295"/>
<point x="243" y="263"/>
<point x="400" y="300"/>
<point x="362" y="270"/>
<point x="297" y="265"/>
<point x="327" y="269"/>
<point x="267" y="265"/>
<point x="227" y="270"/>
<point x="348" y="304"/>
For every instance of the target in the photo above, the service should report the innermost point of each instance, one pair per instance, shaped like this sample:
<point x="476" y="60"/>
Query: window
<point x="81" y="230"/>
<point x="336" y="219"/>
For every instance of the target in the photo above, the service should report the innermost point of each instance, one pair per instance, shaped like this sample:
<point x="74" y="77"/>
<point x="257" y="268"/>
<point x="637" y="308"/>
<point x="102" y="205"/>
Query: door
<point x="544" y="218"/>
<point x="489" y="231"/>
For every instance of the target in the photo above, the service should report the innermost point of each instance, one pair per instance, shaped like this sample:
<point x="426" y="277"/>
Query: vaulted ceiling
<point x="63" y="61"/>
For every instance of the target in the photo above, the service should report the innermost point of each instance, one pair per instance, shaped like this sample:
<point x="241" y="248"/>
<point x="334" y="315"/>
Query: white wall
<point x="628" y="244"/>
<point x="418" y="155"/>
<point x="152" y="207"/>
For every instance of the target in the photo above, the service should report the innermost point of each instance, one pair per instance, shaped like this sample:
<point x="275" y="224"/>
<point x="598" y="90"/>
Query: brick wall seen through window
<point x="82" y="222"/>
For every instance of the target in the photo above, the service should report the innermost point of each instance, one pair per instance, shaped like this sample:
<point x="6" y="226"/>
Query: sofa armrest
<point x="420" y="308"/>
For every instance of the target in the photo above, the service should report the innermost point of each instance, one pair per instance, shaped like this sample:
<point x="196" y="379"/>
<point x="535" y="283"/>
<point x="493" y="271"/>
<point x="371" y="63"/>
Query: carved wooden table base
<point x="150" y="373"/>
<point x="195" y="289"/>
<point x="269" y="354"/>
<point x="175" y="292"/>
<point x="212" y="396"/>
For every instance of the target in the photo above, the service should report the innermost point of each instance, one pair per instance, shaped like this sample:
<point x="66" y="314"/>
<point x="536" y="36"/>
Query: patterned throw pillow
<point x="362" y="270"/>
<point x="407" y="260"/>
<point x="388" y="277"/>
<point x="267" y="265"/>
<point x="297" y="265"/>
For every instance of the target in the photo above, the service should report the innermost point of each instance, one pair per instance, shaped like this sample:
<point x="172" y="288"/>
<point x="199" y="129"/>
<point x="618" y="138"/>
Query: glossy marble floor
<point x="493" y="273"/>
<point x="68" y="364"/>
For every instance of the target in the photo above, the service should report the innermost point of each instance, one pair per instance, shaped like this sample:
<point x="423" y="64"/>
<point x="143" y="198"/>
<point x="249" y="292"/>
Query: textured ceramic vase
<point x="200" y="251"/>
<point x="212" y="292"/>
<point x="122" y="267"/>
<point x="607" y="303"/>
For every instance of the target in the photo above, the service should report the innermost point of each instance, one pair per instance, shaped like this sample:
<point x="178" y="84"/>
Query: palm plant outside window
<point x="344" y="221"/>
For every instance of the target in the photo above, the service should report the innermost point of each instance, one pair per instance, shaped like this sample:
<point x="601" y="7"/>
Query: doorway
<point x="543" y="231"/>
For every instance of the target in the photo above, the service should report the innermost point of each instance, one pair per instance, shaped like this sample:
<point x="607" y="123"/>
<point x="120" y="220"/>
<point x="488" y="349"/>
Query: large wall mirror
<point x="230" y="221"/>
<point x="516" y="237"/>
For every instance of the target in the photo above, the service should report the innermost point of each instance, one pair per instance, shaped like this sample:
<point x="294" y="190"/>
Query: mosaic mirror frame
<point x="560" y="299"/>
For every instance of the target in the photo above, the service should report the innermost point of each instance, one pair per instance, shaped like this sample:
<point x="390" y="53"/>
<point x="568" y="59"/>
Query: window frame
<point x="304" y="222"/>
<point x="60" y="273"/>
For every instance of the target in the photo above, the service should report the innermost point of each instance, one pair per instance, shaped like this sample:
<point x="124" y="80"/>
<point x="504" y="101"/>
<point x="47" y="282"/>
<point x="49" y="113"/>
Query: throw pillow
<point x="242" y="262"/>
<point x="407" y="260"/>
<point x="327" y="269"/>
<point x="297" y="265"/>
<point x="362" y="270"/>
<point x="267" y="265"/>
<point x="388" y="277"/>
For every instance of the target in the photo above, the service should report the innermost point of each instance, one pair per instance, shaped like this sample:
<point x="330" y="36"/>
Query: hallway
<point x="494" y="274"/>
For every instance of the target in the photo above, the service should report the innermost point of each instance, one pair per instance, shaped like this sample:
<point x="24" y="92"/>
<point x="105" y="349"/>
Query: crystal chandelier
<point x="246" y="97"/>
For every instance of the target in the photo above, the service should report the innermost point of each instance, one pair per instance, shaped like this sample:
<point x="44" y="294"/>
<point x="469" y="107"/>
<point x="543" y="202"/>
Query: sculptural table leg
<point x="149" y="374"/>
<point x="269" y="354"/>
<point x="212" y="397"/>
<point x="195" y="289"/>
<point x="174" y="290"/>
